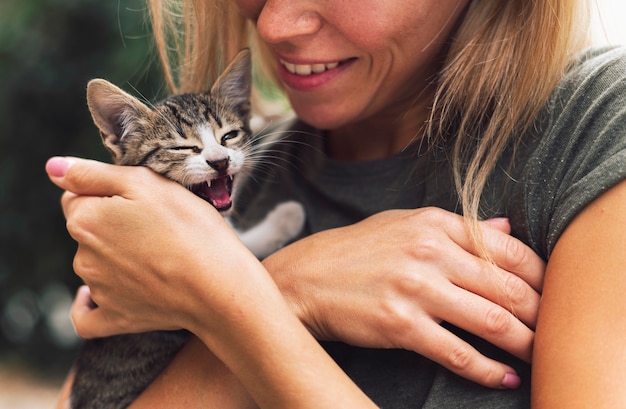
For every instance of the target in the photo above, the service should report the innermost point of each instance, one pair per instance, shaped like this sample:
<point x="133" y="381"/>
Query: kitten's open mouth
<point x="216" y="191"/>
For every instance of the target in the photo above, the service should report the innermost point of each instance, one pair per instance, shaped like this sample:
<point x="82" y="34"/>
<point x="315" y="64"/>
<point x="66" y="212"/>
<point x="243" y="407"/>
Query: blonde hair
<point x="195" y="39"/>
<point x="503" y="64"/>
<point x="504" y="61"/>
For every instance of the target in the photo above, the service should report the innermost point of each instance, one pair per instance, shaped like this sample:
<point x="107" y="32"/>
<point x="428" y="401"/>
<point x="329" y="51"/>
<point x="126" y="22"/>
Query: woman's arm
<point x="114" y="210"/>
<point x="390" y="280"/>
<point x="580" y="347"/>
<point x="195" y="379"/>
<point x="149" y="267"/>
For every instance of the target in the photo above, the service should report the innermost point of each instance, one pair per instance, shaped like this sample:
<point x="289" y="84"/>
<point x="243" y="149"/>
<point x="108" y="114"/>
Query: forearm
<point x="197" y="379"/>
<point x="277" y="360"/>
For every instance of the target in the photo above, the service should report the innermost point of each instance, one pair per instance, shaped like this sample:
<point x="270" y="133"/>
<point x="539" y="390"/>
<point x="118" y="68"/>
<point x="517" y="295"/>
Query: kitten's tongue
<point x="218" y="193"/>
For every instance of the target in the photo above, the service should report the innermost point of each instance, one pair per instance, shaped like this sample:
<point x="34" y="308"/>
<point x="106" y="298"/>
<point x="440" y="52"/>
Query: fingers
<point x="90" y="321"/>
<point x="489" y="321"/>
<point x="452" y="252"/>
<point x="507" y="252"/>
<point x="81" y="308"/>
<point x="492" y="283"/>
<point x="87" y="177"/>
<point x="461" y="358"/>
<point x="83" y="299"/>
<point x="504" y="323"/>
<point x="512" y="255"/>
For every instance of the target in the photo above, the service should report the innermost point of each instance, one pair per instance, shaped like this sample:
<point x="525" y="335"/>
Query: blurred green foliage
<point x="49" y="49"/>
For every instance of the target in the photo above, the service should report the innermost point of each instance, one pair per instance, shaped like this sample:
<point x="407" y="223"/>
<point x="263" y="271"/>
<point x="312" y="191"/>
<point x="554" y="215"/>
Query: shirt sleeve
<point x="582" y="152"/>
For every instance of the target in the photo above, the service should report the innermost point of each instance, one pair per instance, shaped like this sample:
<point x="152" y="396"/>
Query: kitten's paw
<point x="279" y="227"/>
<point x="288" y="219"/>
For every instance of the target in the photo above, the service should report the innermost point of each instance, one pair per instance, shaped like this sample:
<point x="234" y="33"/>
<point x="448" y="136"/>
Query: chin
<point x="324" y="119"/>
<point x="327" y="113"/>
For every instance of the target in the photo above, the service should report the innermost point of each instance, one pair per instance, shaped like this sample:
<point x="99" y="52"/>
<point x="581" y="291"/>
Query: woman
<point x="403" y="105"/>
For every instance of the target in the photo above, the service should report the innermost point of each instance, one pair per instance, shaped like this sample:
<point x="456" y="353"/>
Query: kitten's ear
<point x="113" y="111"/>
<point x="235" y="83"/>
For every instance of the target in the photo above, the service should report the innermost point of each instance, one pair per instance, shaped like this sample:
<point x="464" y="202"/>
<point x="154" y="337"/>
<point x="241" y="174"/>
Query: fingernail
<point x="58" y="166"/>
<point x="511" y="381"/>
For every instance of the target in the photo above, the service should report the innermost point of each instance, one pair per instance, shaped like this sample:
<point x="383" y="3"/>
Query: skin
<point x="228" y="299"/>
<point x="232" y="321"/>
<point x="395" y="56"/>
<point x="127" y="302"/>
<point x="579" y="357"/>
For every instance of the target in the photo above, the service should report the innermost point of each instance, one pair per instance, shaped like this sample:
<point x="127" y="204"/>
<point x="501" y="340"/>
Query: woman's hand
<point x="390" y="280"/>
<point x="137" y="252"/>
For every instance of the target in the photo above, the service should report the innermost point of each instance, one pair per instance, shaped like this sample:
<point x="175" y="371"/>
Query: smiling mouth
<point x="216" y="191"/>
<point x="308" y="69"/>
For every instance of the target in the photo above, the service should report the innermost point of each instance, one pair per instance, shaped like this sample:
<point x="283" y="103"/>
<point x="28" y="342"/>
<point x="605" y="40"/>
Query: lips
<point x="311" y="77"/>
<point x="216" y="191"/>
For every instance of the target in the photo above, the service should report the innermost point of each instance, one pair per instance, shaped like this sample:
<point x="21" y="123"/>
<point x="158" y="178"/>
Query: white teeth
<point x="317" y="68"/>
<point x="290" y="67"/>
<point x="308" y="69"/>
<point x="303" y="69"/>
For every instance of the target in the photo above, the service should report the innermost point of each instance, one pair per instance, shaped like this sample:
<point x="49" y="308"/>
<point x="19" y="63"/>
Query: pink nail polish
<point x="58" y="166"/>
<point x="511" y="381"/>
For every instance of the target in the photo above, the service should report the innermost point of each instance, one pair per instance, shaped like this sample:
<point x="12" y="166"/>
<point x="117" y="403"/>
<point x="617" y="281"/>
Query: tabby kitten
<point x="201" y="141"/>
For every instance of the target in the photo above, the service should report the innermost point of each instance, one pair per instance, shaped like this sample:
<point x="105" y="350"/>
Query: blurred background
<point x="49" y="49"/>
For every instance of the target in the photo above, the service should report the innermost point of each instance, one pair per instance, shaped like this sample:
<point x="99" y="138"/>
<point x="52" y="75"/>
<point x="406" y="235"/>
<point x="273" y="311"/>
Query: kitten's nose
<point x="219" y="165"/>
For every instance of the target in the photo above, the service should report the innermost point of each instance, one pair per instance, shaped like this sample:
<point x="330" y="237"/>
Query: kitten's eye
<point x="229" y="136"/>
<point x="194" y="149"/>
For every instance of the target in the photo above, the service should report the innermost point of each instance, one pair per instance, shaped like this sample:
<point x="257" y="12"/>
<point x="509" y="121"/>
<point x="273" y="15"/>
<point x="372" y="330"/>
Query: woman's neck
<point x="379" y="137"/>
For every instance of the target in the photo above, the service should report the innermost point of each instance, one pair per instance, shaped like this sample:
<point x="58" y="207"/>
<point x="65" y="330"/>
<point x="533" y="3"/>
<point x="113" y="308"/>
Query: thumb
<point x="85" y="177"/>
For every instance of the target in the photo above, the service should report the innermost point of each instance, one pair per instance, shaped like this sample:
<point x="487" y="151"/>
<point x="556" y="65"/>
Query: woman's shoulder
<point x="588" y="102"/>
<point x="594" y="70"/>
<point x="577" y="148"/>
<point x="605" y="56"/>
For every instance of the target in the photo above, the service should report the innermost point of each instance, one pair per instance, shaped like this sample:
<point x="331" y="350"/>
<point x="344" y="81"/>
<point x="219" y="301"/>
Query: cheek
<point x="237" y="160"/>
<point x="193" y="169"/>
<point x="385" y="21"/>
<point x="401" y="24"/>
<point x="251" y="9"/>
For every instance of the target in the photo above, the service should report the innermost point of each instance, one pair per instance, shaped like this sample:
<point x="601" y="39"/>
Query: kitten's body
<point x="200" y="141"/>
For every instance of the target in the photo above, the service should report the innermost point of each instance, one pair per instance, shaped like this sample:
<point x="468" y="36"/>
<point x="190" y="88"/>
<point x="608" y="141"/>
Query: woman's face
<point x="344" y="61"/>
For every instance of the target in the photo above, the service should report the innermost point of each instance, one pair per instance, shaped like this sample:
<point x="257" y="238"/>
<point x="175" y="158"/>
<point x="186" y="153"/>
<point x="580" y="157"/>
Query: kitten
<point x="202" y="142"/>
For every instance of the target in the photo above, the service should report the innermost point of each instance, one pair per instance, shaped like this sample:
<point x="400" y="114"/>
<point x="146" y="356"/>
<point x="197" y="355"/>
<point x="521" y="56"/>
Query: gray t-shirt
<point x="575" y="151"/>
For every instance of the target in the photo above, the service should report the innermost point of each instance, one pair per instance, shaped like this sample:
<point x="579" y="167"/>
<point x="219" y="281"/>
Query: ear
<point x="235" y="83"/>
<point x="114" y="112"/>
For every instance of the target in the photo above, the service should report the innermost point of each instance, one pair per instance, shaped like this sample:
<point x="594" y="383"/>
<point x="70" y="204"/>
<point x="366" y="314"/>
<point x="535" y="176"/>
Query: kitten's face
<point x="194" y="141"/>
<point x="197" y="140"/>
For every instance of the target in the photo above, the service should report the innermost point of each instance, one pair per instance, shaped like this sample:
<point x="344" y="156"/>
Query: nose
<point x="286" y="20"/>
<point x="219" y="165"/>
